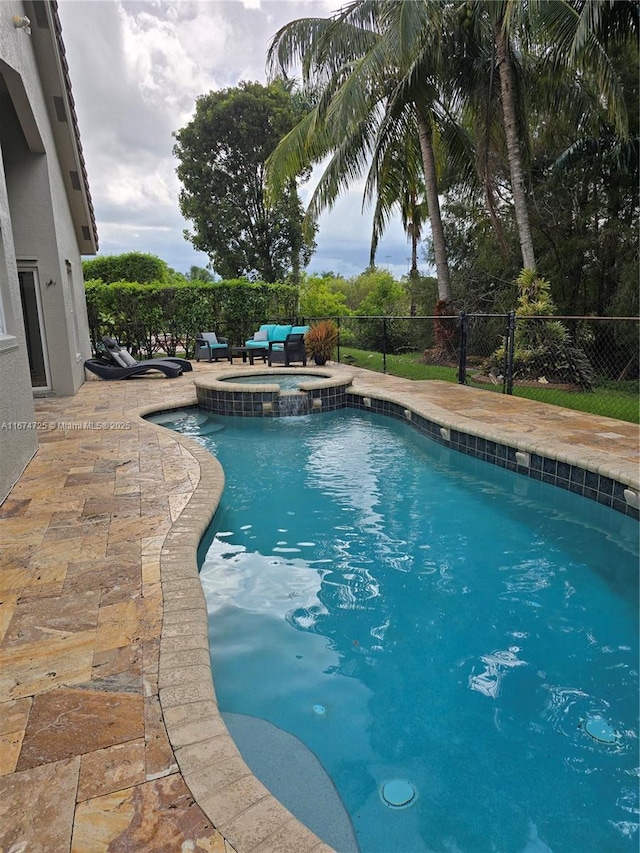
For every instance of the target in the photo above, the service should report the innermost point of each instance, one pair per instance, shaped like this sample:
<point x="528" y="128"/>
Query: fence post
<point x="384" y="344"/>
<point x="463" y="325"/>
<point x="509" y="344"/>
<point x="338" y="325"/>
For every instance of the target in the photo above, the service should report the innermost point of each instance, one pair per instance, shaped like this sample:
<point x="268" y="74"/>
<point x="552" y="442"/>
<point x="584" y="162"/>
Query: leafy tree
<point x="130" y="266"/>
<point x="427" y="294"/>
<point x="386" y="297"/>
<point x="199" y="274"/>
<point x="575" y="81"/>
<point x="222" y="152"/>
<point x="400" y="185"/>
<point x="321" y="297"/>
<point x="482" y="278"/>
<point x="589" y="36"/>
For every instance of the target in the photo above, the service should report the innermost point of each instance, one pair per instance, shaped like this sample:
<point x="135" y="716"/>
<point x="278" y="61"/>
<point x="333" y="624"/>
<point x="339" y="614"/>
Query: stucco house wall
<point x="46" y="225"/>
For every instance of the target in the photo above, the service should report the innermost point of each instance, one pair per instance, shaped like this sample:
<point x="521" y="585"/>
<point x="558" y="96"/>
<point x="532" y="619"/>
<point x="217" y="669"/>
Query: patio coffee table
<point x="247" y="351"/>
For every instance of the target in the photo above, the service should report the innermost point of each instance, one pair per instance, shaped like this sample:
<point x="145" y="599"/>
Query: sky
<point x="137" y="67"/>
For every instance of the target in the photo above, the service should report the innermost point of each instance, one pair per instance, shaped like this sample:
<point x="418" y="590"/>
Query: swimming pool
<point x="457" y="626"/>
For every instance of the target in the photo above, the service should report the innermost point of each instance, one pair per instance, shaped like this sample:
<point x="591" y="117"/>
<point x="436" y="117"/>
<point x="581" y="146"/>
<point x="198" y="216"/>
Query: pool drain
<point x="600" y="730"/>
<point x="398" y="793"/>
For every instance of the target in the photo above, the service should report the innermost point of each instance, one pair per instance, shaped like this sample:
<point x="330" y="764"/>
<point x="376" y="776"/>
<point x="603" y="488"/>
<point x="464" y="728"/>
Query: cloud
<point x="137" y="69"/>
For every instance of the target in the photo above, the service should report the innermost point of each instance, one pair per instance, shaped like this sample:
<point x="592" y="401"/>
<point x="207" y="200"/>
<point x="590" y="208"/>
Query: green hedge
<point x="145" y="318"/>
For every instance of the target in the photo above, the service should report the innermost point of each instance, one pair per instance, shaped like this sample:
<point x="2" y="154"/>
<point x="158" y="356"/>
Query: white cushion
<point x="209" y="337"/>
<point x="262" y="335"/>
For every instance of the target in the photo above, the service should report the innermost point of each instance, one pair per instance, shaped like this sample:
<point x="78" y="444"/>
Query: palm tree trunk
<point x="513" y="147"/>
<point x="431" y="185"/>
<point x="414" y="253"/>
<point x="413" y="272"/>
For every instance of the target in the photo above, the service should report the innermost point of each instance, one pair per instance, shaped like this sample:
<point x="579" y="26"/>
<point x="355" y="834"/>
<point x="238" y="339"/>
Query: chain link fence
<point x="589" y="364"/>
<point x="585" y="363"/>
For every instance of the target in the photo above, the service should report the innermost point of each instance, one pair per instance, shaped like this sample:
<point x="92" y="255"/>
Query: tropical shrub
<point x="543" y="349"/>
<point x="320" y="341"/>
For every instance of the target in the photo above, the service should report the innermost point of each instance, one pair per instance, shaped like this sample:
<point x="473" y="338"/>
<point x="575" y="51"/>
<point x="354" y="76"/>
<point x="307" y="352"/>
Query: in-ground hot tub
<point x="284" y="381"/>
<point x="275" y="392"/>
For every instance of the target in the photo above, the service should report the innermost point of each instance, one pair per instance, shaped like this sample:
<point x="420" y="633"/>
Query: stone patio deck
<point x="109" y="733"/>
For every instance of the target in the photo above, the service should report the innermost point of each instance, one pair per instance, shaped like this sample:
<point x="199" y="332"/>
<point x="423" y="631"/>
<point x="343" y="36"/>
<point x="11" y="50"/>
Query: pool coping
<point x="224" y="787"/>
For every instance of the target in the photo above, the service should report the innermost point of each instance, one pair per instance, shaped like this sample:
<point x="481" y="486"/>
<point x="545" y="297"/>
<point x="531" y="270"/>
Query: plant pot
<point x="320" y="360"/>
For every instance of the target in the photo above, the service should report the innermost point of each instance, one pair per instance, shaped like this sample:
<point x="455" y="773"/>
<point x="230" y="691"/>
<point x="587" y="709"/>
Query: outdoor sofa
<point x="282" y="343"/>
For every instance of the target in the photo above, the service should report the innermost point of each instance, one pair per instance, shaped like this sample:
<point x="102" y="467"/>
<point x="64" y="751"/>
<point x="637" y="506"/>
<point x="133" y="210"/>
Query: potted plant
<point x="320" y="341"/>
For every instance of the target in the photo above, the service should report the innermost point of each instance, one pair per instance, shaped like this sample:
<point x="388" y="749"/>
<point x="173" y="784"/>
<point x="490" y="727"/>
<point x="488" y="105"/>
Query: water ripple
<point x="528" y="576"/>
<point x="497" y="665"/>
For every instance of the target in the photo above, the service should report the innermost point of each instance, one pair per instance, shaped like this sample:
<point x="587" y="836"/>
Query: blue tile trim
<point x="572" y="478"/>
<point x="569" y="477"/>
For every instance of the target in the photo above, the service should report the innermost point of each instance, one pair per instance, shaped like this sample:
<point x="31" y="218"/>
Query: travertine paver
<point x="86" y="763"/>
<point x="110" y="738"/>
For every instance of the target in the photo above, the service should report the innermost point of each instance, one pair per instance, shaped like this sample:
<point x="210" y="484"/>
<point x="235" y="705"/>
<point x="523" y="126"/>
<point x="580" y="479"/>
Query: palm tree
<point x="400" y="185"/>
<point x="499" y="42"/>
<point x="486" y="69"/>
<point x="503" y="21"/>
<point x="377" y="62"/>
<point x="590" y="35"/>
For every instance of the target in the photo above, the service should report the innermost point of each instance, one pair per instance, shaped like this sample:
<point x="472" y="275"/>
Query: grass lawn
<point x="619" y="401"/>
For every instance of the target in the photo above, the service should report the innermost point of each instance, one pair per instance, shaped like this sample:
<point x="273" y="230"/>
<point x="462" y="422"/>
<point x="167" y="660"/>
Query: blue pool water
<point x="414" y="614"/>
<point x="286" y="381"/>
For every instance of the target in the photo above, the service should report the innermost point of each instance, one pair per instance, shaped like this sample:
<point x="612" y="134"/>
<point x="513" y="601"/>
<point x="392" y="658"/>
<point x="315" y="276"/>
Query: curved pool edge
<point x="327" y="377"/>
<point x="509" y="434"/>
<point x="238" y="805"/>
<point x="235" y="801"/>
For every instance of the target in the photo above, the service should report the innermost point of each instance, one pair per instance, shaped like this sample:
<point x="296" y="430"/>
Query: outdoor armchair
<point x="290" y="350"/>
<point x="212" y="347"/>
